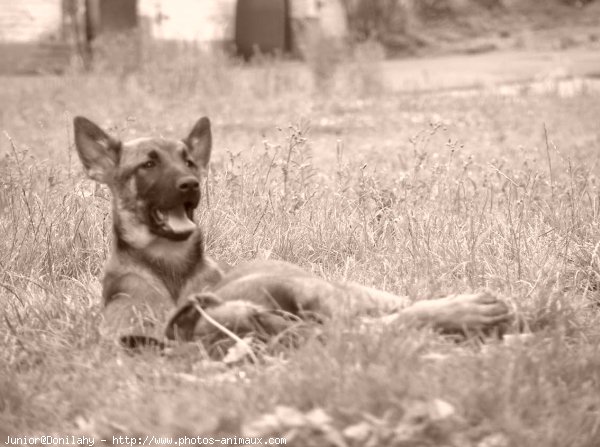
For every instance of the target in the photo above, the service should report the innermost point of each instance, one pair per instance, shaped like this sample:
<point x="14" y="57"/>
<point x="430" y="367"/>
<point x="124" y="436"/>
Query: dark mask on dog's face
<point x="155" y="181"/>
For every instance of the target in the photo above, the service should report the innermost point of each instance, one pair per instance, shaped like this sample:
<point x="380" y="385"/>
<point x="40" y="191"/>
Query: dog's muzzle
<point x="176" y="220"/>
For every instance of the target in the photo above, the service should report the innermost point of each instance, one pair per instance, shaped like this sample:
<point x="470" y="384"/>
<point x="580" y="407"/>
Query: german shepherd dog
<point x="159" y="283"/>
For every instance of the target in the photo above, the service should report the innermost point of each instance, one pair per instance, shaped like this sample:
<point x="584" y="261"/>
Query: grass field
<point x="423" y="195"/>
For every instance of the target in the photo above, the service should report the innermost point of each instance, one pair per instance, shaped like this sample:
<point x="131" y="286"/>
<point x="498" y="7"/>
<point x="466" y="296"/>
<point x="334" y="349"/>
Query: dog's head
<point x="155" y="182"/>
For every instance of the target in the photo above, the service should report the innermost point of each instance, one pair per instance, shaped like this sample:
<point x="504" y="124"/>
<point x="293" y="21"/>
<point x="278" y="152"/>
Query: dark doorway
<point x="109" y="16"/>
<point x="262" y="25"/>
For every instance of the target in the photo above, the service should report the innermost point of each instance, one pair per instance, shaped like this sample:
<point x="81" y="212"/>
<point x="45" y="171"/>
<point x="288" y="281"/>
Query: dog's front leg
<point x="135" y="312"/>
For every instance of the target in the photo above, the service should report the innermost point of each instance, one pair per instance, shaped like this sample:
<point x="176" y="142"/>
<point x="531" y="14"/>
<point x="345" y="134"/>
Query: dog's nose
<point x="188" y="184"/>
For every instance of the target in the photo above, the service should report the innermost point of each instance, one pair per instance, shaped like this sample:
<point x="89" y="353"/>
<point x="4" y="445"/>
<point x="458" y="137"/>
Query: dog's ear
<point x="200" y="141"/>
<point x="99" y="152"/>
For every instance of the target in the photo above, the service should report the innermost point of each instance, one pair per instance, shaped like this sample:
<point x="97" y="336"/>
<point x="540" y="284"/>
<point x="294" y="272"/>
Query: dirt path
<point x="483" y="70"/>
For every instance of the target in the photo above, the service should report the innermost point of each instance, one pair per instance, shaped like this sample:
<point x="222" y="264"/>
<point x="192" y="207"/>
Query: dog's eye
<point x="149" y="164"/>
<point x="190" y="164"/>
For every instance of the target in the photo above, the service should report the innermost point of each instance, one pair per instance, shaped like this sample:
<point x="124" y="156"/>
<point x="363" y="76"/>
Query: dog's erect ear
<point x="99" y="152"/>
<point x="200" y="141"/>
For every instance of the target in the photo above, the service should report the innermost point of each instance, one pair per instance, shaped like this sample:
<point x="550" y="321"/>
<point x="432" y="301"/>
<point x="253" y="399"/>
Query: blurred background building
<point x="44" y="35"/>
<point x="51" y="35"/>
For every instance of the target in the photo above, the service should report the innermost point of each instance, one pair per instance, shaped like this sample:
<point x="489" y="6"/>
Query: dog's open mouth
<point x="174" y="223"/>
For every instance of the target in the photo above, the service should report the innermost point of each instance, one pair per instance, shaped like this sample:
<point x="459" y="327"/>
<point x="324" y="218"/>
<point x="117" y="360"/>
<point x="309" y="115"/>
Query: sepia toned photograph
<point x="328" y="223"/>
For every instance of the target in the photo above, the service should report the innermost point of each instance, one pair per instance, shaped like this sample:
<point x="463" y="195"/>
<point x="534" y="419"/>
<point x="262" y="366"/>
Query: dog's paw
<point x="466" y="312"/>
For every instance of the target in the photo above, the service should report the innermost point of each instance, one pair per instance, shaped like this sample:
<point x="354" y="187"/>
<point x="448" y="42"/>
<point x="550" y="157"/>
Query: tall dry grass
<point x="348" y="196"/>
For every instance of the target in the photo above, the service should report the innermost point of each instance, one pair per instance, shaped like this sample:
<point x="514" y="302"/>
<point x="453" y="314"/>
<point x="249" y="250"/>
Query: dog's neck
<point x="172" y="261"/>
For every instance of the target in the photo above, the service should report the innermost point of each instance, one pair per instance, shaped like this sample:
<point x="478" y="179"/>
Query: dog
<point x="160" y="285"/>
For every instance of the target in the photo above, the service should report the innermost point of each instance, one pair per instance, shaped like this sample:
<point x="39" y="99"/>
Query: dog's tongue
<point x="177" y="221"/>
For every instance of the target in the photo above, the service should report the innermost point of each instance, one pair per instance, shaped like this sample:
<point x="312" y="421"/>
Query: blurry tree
<point x="74" y="25"/>
<point x="577" y="3"/>
<point x="372" y="18"/>
<point x="388" y="22"/>
<point x="405" y="25"/>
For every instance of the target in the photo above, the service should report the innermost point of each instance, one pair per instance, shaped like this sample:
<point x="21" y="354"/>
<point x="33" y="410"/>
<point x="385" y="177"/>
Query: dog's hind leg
<point x="463" y="312"/>
<point x="368" y="300"/>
